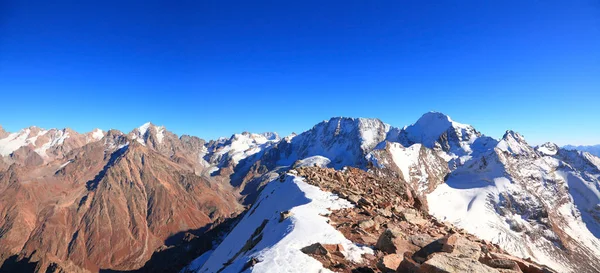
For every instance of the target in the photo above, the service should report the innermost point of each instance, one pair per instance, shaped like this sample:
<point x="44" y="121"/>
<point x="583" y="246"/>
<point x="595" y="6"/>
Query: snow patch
<point x="277" y="244"/>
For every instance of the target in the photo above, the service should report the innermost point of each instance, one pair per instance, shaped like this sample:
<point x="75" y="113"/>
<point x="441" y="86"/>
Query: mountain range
<point x="327" y="199"/>
<point x="592" y="149"/>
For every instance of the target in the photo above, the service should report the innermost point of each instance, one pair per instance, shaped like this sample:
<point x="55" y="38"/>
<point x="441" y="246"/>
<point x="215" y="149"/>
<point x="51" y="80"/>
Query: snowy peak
<point x="344" y="141"/>
<point x="144" y="128"/>
<point x="428" y="129"/>
<point x="548" y="149"/>
<point x="147" y="131"/>
<point x="96" y="134"/>
<point x="48" y="144"/>
<point x="238" y="147"/>
<point x="515" y="143"/>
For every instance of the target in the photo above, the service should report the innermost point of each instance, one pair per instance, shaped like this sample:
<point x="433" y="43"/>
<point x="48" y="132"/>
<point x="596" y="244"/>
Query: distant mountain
<point x="349" y="194"/>
<point x="592" y="149"/>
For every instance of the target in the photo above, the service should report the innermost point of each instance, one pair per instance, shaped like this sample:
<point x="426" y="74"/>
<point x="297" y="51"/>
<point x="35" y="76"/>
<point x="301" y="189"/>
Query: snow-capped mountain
<point x="343" y="141"/>
<point x="541" y="203"/>
<point x="35" y="145"/>
<point x="534" y="202"/>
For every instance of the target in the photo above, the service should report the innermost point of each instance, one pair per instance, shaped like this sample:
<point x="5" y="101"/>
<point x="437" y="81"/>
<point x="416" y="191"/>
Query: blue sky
<point x="213" y="68"/>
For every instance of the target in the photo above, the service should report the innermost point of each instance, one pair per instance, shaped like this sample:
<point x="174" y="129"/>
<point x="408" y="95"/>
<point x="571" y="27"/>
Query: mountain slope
<point x="108" y="204"/>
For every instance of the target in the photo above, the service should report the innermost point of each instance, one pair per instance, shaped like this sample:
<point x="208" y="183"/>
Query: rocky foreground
<point x="394" y="222"/>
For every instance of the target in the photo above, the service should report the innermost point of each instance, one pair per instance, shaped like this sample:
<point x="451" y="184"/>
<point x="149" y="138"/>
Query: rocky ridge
<point x="386" y="217"/>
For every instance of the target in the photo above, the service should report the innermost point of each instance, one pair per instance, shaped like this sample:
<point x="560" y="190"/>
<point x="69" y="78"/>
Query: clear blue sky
<point x="213" y="68"/>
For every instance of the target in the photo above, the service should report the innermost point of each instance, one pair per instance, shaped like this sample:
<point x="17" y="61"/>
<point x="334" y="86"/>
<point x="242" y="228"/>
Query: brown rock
<point x="501" y="264"/>
<point x="284" y="215"/>
<point x="315" y="249"/>
<point x="412" y="216"/>
<point x="335" y="249"/>
<point x="525" y="266"/>
<point x="408" y="265"/>
<point x="365" y="224"/>
<point x="447" y="263"/>
<point x="449" y="242"/>
<point x="389" y="263"/>
<point x="391" y="241"/>
<point x="421" y="240"/>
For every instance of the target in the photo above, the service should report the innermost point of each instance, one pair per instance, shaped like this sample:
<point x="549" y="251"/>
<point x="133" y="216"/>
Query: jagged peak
<point x="338" y="121"/>
<point x="514" y="143"/>
<point x="547" y="148"/>
<point x="430" y="126"/>
<point x="144" y="128"/>
<point x="514" y="135"/>
<point x="439" y="119"/>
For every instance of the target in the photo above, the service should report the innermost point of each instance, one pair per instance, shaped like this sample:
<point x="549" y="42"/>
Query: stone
<point x="448" y="263"/>
<point x="449" y="242"/>
<point x="389" y="263"/>
<point x="315" y="249"/>
<point x="284" y="215"/>
<point x="501" y="264"/>
<point x="408" y="265"/>
<point x="525" y="266"/>
<point x="353" y="198"/>
<point x="391" y="241"/>
<point x="421" y="240"/>
<point x="339" y="177"/>
<point x="364" y="202"/>
<point x="384" y="212"/>
<point x="412" y="216"/>
<point x="369" y="239"/>
<point x="365" y="224"/>
<point x="466" y="248"/>
<point x="335" y="249"/>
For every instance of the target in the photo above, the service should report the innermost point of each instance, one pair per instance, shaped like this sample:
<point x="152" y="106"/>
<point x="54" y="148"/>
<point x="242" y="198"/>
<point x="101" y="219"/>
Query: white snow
<point x="97" y="134"/>
<point x="466" y="202"/>
<point x="24" y="137"/>
<point x="58" y="137"/>
<point x="144" y="128"/>
<point x="241" y="146"/>
<point x="198" y="262"/>
<point x="344" y="141"/>
<point x="317" y="160"/>
<point x="160" y="133"/>
<point x="405" y="158"/>
<point x="430" y="126"/>
<point x="13" y="142"/>
<point x="514" y="143"/>
<point x="279" y="243"/>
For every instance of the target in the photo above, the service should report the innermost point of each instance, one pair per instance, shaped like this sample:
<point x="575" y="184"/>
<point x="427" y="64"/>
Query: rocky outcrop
<point x="405" y="238"/>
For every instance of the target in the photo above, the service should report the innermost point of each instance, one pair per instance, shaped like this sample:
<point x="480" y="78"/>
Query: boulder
<point x="315" y="249"/>
<point x="413" y="216"/>
<point x="448" y="263"/>
<point x="408" y="265"/>
<point x="460" y="246"/>
<point x="391" y="241"/>
<point x="525" y="266"/>
<point x="421" y="240"/>
<point x="501" y="264"/>
<point x="365" y="224"/>
<point x="389" y="263"/>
